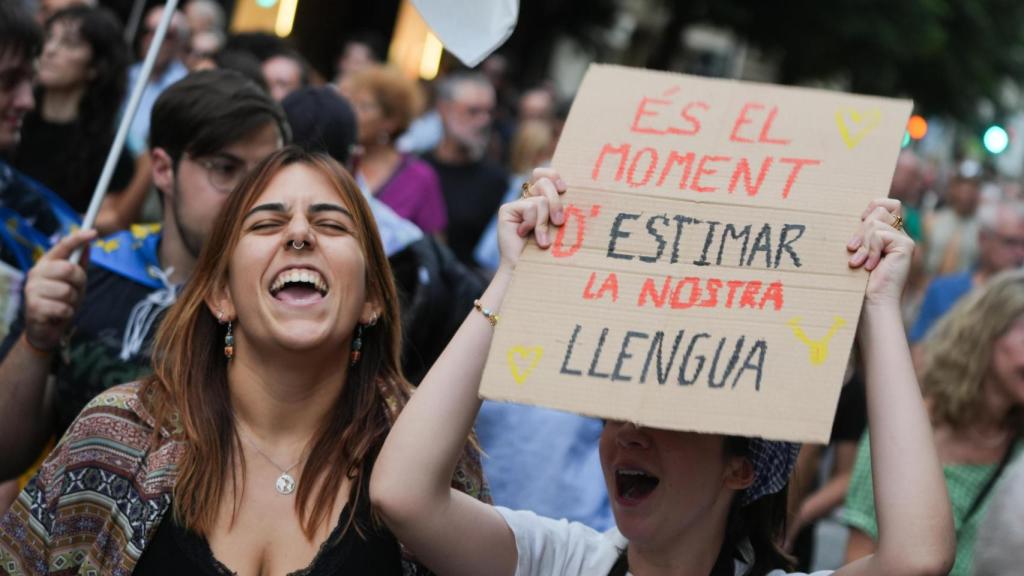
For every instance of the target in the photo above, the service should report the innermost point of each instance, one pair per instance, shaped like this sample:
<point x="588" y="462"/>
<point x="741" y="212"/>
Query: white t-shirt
<point x="548" y="547"/>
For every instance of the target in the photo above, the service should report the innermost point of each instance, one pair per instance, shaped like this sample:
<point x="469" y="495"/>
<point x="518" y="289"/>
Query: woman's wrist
<point x="36" y="349"/>
<point x="492" y="298"/>
<point x="503" y="275"/>
<point x="882" y="305"/>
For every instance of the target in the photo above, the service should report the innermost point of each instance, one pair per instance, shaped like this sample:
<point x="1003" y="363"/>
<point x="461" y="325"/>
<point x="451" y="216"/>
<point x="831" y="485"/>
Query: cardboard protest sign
<point x="700" y="281"/>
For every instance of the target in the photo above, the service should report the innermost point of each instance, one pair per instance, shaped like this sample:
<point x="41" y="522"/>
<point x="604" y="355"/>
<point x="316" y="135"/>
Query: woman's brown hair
<point x="189" y="386"/>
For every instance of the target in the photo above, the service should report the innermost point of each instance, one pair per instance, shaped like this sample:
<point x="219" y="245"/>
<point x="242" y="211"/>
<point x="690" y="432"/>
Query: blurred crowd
<point x="435" y="160"/>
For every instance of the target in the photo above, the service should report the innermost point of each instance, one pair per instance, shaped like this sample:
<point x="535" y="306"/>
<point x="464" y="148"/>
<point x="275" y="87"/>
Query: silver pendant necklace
<point x="285" y="483"/>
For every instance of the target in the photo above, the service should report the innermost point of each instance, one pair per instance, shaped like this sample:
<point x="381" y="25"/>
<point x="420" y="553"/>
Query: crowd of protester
<point x="150" y="395"/>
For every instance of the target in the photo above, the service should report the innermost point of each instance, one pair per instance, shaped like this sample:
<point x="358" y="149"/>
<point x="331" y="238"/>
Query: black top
<point x="55" y="155"/>
<point x="436" y="292"/>
<point x="472" y="193"/>
<point x="175" y="550"/>
<point x="852" y="412"/>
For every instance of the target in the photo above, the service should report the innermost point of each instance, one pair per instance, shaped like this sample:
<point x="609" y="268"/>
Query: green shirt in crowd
<point x="963" y="482"/>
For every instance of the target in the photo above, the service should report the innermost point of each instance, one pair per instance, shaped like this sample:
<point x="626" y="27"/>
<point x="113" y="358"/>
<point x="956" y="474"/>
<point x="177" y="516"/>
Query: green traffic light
<point x="995" y="139"/>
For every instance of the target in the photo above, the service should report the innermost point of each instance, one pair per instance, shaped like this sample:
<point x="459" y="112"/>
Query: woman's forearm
<point x="915" y="523"/>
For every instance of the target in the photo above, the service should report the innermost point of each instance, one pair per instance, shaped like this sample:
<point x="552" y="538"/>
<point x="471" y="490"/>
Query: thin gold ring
<point x="526" y="191"/>
<point x="898" y="223"/>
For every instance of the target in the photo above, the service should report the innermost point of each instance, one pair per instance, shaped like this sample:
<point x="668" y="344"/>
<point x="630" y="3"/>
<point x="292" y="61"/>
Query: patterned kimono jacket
<point x="101" y="494"/>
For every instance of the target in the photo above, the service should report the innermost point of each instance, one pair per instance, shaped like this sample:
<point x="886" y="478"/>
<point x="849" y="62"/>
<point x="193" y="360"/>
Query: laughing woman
<point x="276" y="379"/>
<point x="684" y="503"/>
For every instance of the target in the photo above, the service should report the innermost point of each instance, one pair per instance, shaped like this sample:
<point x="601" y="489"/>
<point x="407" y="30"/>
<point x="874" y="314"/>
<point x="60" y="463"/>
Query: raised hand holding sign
<point x="700" y="279"/>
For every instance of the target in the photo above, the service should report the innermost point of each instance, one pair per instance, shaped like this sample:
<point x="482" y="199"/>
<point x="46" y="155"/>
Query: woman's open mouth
<point x="632" y="485"/>
<point x="299" y="286"/>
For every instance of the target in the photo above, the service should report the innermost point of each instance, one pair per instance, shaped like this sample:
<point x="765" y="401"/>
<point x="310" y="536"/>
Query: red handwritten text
<point x="659" y="116"/>
<point x="573" y="215"/>
<point x="744" y="119"/>
<point x="638" y="169"/>
<point x="710" y="293"/>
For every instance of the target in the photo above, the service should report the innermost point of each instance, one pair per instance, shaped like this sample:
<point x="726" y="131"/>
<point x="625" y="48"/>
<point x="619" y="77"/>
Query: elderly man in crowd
<point x="472" y="185"/>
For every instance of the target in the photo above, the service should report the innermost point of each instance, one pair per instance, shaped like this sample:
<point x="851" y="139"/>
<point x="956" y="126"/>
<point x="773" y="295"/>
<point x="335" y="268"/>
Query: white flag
<point x="470" y="29"/>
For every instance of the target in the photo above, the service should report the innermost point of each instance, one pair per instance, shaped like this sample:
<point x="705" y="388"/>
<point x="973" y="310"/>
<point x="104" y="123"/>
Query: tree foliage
<point x="948" y="55"/>
<point x="542" y="21"/>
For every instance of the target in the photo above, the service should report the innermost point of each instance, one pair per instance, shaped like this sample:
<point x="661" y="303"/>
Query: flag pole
<point x="126" y="120"/>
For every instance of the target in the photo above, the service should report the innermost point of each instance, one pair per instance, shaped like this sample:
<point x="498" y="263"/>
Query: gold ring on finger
<point x="898" y="223"/>
<point x="526" y="191"/>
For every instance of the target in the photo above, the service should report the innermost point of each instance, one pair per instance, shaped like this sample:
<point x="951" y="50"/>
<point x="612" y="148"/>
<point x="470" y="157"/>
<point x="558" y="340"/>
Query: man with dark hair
<point x="92" y="328"/>
<point x="20" y="42"/>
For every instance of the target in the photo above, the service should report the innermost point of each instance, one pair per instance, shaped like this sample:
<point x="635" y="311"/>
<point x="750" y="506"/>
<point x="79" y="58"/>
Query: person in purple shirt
<point x="385" y="103"/>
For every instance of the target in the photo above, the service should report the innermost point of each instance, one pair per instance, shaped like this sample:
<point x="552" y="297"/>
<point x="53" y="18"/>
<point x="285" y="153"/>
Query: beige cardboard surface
<point x="701" y="280"/>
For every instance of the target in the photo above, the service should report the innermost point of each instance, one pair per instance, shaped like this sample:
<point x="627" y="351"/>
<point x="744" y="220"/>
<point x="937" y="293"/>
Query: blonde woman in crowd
<point x="974" y="383"/>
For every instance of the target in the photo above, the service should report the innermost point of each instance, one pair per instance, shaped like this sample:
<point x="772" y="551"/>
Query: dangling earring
<point x="357" y="346"/>
<point x="229" y="343"/>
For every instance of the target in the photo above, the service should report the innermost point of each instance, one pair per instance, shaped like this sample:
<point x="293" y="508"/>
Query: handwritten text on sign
<point x="700" y="281"/>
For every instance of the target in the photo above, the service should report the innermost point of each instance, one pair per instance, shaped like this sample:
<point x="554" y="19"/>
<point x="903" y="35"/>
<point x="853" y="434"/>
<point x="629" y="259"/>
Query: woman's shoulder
<point x="117" y="396"/>
<point x="527" y="521"/>
<point x="118" y="428"/>
<point x="549" y="546"/>
<point x="124" y="403"/>
<point x="102" y="491"/>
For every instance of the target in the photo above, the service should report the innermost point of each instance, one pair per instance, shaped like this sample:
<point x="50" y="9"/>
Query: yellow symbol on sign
<point x="854" y="125"/>
<point x="108" y="246"/>
<point x="518" y="356"/>
<point x="818" y="348"/>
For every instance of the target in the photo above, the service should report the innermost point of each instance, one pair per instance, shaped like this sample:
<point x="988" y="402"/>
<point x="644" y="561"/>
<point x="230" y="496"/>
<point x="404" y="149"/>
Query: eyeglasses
<point x="475" y="111"/>
<point x="223" y="173"/>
